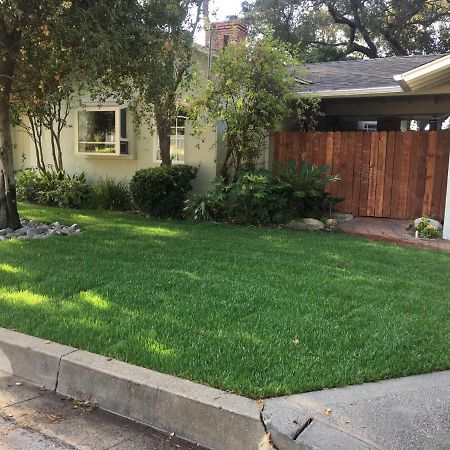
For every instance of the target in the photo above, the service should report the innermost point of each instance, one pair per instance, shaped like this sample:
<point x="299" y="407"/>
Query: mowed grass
<point x="260" y="312"/>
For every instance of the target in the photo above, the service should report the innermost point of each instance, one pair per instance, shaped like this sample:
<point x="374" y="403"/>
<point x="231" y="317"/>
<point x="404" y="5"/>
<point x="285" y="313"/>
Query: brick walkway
<point x="390" y="230"/>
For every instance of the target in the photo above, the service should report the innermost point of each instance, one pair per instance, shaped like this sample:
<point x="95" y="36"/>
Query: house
<point x="385" y="127"/>
<point x="384" y="94"/>
<point x="381" y="127"/>
<point x="101" y="139"/>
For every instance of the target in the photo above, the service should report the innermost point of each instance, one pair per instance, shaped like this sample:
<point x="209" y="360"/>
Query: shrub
<point x="253" y="199"/>
<point x="209" y="206"/>
<point x="52" y="188"/>
<point x="426" y="229"/>
<point x="109" y="194"/>
<point x="161" y="191"/>
<point x="27" y="184"/>
<point x="303" y="186"/>
<point x="262" y="198"/>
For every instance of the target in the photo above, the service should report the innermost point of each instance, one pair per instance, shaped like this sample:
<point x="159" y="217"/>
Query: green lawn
<point x="257" y="311"/>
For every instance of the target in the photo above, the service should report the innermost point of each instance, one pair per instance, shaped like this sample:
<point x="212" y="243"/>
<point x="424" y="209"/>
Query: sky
<point x="219" y="10"/>
<point x="225" y="8"/>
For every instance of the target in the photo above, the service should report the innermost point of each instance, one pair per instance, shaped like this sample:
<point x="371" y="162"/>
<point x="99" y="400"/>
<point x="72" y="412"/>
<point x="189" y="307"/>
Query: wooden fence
<point x="399" y="175"/>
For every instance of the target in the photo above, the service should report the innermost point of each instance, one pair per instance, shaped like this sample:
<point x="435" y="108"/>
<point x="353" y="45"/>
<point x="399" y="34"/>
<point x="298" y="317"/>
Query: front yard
<point x="260" y="312"/>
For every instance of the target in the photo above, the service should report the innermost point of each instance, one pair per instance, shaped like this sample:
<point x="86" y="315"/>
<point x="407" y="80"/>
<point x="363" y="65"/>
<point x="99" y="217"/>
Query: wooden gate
<point x="396" y="174"/>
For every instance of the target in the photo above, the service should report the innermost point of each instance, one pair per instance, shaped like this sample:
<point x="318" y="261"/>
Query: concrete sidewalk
<point x="404" y="413"/>
<point x="31" y="418"/>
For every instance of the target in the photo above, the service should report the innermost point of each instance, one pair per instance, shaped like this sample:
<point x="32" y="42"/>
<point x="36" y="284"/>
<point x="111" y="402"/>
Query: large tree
<point x="21" y="22"/>
<point x="329" y="29"/>
<point x="160" y="94"/>
<point x="53" y="48"/>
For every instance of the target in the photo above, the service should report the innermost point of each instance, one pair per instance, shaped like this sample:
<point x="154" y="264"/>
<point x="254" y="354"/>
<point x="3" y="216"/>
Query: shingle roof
<point x="361" y="73"/>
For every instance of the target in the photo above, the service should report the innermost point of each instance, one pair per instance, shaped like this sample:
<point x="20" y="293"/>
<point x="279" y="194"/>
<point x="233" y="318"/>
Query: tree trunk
<point x="35" y="132"/>
<point x="8" y="203"/>
<point x="164" y="128"/>
<point x="56" y="149"/>
<point x="3" y="205"/>
<point x="7" y="166"/>
<point x="54" y="157"/>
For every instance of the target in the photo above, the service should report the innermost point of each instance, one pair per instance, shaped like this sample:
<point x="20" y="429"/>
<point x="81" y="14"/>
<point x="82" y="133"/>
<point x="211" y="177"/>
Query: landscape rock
<point x="31" y="232"/>
<point x="306" y="224"/>
<point x="341" y="217"/>
<point x="433" y="222"/>
<point x="37" y="230"/>
<point x="331" y="224"/>
<point x="20" y="231"/>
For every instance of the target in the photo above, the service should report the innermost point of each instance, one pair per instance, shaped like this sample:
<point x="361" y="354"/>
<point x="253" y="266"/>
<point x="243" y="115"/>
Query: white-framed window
<point x="102" y="130"/>
<point x="177" y="140"/>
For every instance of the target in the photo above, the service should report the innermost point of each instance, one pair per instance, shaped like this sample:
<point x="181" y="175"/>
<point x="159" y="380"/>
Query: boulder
<point x="31" y="232"/>
<point x="306" y="224"/>
<point x="433" y="222"/>
<point x="6" y="231"/>
<point x="341" y="217"/>
<point x="331" y="224"/>
<point x="21" y="231"/>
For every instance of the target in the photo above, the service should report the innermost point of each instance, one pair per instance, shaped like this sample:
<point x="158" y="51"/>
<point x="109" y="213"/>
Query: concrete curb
<point x="211" y="417"/>
<point x="31" y="358"/>
<point x="201" y="414"/>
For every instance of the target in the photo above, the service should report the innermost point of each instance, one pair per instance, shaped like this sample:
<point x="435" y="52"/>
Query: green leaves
<point x="250" y="90"/>
<point x="304" y="185"/>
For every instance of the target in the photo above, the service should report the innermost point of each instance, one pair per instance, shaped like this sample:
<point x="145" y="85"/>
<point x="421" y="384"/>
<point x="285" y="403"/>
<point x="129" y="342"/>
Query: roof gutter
<point x="348" y="93"/>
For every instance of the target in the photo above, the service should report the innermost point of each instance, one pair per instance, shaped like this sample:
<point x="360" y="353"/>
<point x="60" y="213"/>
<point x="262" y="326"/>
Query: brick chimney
<point x="227" y="32"/>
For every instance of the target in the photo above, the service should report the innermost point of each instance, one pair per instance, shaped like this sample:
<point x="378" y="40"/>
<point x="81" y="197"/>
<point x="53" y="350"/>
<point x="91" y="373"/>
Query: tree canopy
<point x="252" y="89"/>
<point x="332" y="29"/>
<point x="50" y="48"/>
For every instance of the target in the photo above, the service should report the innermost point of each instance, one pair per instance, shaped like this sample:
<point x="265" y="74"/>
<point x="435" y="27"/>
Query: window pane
<point x="173" y="148"/>
<point x="181" y="120"/>
<point x="177" y="148"/>
<point x="89" y="147"/>
<point x="123" y="123"/>
<point x="96" y="131"/>
<point x="123" y="147"/>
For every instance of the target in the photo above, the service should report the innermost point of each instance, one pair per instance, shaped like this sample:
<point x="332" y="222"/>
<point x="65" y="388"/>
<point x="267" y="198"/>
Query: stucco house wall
<point x="200" y="151"/>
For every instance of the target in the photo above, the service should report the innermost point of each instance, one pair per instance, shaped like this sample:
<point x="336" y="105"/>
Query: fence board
<point x="430" y="173"/>
<point x="372" y="173"/>
<point x="403" y="187"/>
<point x="381" y="171"/>
<point x="365" y="166"/>
<point x="384" y="174"/>
<point x="387" y="192"/>
<point x="357" y="175"/>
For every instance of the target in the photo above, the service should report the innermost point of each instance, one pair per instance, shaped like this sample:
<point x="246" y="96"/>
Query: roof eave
<point x="425" y="76"/>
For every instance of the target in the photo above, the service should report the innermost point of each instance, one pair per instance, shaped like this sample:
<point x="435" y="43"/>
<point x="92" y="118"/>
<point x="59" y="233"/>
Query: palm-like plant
<point x="303" y="182"/>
